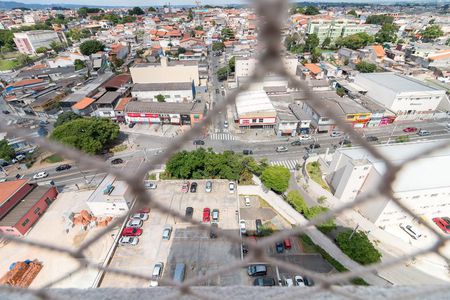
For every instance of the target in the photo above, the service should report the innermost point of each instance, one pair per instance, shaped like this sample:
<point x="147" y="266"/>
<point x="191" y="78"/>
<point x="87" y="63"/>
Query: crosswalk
<point x="290" y="164"/>
<point x="222" y="136"/>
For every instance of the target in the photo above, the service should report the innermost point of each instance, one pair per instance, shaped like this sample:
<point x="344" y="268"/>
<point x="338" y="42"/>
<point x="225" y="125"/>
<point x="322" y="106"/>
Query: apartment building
<point x="334" y="29"/>
<point x="27" y="42"/>
<point x="245" y="66"/>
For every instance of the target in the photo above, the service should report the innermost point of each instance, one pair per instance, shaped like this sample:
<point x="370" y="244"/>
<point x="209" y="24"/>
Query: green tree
<point x="297" y="201"/>
<point x="41" y="50"/>
<point x="312" y="10"/>
<point x="136" y="11"/>
<point x="358" y="247"/>
<point x="312" y="41"/>
<point x="180" y="50"/>
<point x="56" y="46"/>
<point x="432" y="32"/>
<point x="6" y="151"/>
<point x="90" y="135"/>
<point x="6" y="38"/>
<point x="447" y="43"/>
<point x="352" y="13"/>
<point x="66" y="117"/>
<point x="218" y="46"/>
<point x="227" y="33"/>
<point x="190" y="16"/>
<point x="326" y="42"/>
<point x="92" y="46"/>
<point x="314" y="211"/>
<point x="79" y="64"/>
<point x="222" y="73"/>
<point x="232" y="64"/>
<point x="315" y="55"/>
<point x="366" y="67"/>
<point x="276" y="178"/>
<point x="387" y="34"/>
<point x="23" y="59"/>
<point x="200" y="27"/>
<point x="151" y="9"/>
<point x="297" y="10"/>
<point x="355" y="41"/>
<point x="379" y="19"/>
<point x="160" y="98"/>
<point x="340" y="91"/>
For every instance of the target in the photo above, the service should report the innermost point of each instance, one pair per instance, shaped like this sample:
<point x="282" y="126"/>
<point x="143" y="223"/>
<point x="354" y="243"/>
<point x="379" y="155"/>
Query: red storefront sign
<point x="142" y="115"/>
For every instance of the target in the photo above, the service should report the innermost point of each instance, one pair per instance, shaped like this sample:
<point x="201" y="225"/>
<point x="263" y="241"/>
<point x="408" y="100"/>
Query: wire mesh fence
<point x="272" y="15"/>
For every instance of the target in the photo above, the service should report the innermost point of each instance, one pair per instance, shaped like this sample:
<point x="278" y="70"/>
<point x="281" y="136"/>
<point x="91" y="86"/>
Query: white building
<point x="244" y="66"/>
<point x="254" y="109"/>
<point x="29" y="41"/>
<point x="172" y="92"/>
<point x="422" y="185"/>
<point x="408" y="98"/>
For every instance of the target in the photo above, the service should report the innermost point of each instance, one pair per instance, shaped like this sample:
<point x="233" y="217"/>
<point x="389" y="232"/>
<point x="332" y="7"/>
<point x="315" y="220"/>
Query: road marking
<point x="290" y="164"/>
<point x="222" y="136"/>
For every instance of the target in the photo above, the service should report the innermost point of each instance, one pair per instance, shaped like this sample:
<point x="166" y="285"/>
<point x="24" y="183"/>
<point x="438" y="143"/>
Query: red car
<point x="442" y="224"/>
<point x="144" y="210"/>
<point x="185" y="187"/>
<point x="410" y="129"/>
<point x="206" y="214"/>
<point x="131" y="231"/>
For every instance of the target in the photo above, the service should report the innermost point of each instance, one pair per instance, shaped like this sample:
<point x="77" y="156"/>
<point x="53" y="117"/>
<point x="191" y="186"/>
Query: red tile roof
<point x="83" y="103"/>
<point x="313" y="68"/>
<point x="9" y="188"/>
<point x="122" y="103"/>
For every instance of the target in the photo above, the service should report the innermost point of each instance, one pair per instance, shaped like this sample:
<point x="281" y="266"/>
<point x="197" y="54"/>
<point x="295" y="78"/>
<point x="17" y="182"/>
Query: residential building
<point x="334" y="28"/>
<point x="104" y="106"/>
<point x="410" y="99"/>
<point x="28" y="42"/>
<point x="84" y="107"/>
<point x="244" y="66"/>
<point x="22" y="204"/>
<point x="166" y="72"/>
<point x="255" y="110"/>
<point x="172" y="91"/>
<point x="354" y="171"/>
<point x="119" y="110"/>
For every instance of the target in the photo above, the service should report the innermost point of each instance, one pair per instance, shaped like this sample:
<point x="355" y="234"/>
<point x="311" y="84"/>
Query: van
<point x="178" y="275"/>
<point x="247" y="152"/>
<point x="287" y="244"/>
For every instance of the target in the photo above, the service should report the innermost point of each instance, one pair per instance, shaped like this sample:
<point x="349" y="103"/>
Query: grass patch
<point x="151" y="176"/>
<point x="55" y="158"/>
<point x="119" y="148"/>
<point x="262" y="202"/>
<point x="309" y="244"/>
<point x="315" y="173"/>
<point x="6" y="65"/>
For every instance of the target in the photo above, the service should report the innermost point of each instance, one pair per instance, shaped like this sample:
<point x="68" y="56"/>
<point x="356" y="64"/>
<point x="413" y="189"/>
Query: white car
<point x="336" y="133"/>
<point x="150" y="185"/>
<point x="281" y="149"/>
<point x="128" y="240"/>
<point x="136" y="223"/>
<point x="299" y="280"/>
<point x="225" y="124"/>
<point x="40" y="175"/>
<point x="289" y="282"/>
<point x="304" y="137"/>
<point x="247" y="200"/>
<point x="18" y="158"/>
<point x="242" y="226"/>
<point x="409" y="229"/>
<point x="140" y="216"/>
<point x="156" y="274"/>
<point x="166" y="233"/>
<point x="231" y="187"/>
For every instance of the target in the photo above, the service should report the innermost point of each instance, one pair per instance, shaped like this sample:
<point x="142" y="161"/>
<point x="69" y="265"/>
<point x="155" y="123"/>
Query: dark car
<point x="194" y="187"/>
<point x="189" y="212"/>
<point x="279" y="247"/>
<point x="247" y="152"/>
<point x="257" y="270"/>
<point x="117" y="161"/>
<point x="213" y="231"/>
<point x="6" y="112"/>
<point x="244" y="249"/>
<point x="264" y="282"/>
<point x="258" y="226"/>
<point x="199" y="142"/>
<point x="131" y="125"/>
<point x="314" y="146"/>
<point x="296" y="143"/>
<point x="308" y="281"/>
<point x="345" y="142"/>
<point x="372" y="138"/>
<point x="63" y="167"/>
<point x="217" y="91"/>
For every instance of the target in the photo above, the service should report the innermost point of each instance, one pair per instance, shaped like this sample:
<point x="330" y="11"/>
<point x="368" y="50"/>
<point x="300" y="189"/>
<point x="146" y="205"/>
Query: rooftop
<point x="83" y="103"/>
<point x="108" y="98"/>
<point x="253" y="101"/>
<point x="9" y="188"/>
<point x="396" y="82"/>
<point x="165" y="107"/>
<point x="170" y="86"/>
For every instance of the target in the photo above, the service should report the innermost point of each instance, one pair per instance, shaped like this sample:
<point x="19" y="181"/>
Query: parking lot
<point x="188" y="244"/>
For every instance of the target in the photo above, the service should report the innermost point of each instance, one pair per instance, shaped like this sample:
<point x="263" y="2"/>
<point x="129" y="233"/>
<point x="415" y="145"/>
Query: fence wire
<point x="271" y="19"/>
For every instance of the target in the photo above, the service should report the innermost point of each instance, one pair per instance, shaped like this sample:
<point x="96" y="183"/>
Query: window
<point x="416" y="197"/>
<point x="261" y="120"/>
<point x="177" y="96"/>
<point x="37" y="210"/>
<point x="25" y="222"/>
<point x="121" y="208"/>
<point x="48" y="201"/>
<point x="167" y="96"/>
<point x="253" y="120"/>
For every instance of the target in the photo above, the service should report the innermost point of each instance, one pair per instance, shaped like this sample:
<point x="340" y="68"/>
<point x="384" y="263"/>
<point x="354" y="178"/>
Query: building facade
<point x="29" y="41"/>
<point x="172" y="92"/>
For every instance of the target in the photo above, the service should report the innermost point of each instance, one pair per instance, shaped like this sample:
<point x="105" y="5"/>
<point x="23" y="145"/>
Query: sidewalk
<point x="296" y="219"/>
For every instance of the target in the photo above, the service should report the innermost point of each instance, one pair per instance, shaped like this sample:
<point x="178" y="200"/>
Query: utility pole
<point x="392" y="133"/>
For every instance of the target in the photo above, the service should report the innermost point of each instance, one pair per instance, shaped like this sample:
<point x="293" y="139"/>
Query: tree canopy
<point x="218" y="46"/>
<point x="353" y="13"/>
<point x="90" y="135"/>
<point x="366" y="67"/>
<point x="358" y="247"/>
<point x="136" y="11"/>
<point x="6" y="151"/>
<point x="222" y="73"/>
<point x="92" y="46"/>
<point x="160" y="98"/>
<point x="66" y="117"/>
<point x="311" y="10"/>
<point x="84" y="11"/>
<point x="79" y="64"/>
<point x="276" y="178"/>
<point x="232" y="64"/>
<point x="387" y="34"/>
<point x="432" y="32"/>
<point x="312" y="41"/>
<point x="227" y="33"/>
<point x="355" y="41"/>
<point x="379" y="19"/>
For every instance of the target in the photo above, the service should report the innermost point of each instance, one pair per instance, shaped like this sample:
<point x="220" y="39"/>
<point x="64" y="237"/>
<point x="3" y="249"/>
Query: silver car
<point x="156" y="274"/>
<point x="141" y="216"/>
<point x="128" y="240"/>
<point x="136" y="223"/>
<point x="166" y="233"/>
<point x="208" y="187"/>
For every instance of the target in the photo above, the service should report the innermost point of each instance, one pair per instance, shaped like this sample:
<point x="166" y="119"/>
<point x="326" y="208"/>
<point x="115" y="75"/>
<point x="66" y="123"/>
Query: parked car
<point x="194" y="187"/>
<point x="289" y="282"/>
<point x="287" y="244"/>
<point x="225" y="124"/>
<point x="314" y="146"/>
<point x="141" y="216"/>
<point x="6" y="112"/>
<point x="336" y="133"/>
<point x="423" y="132"/>
<point x="166" y="233"/>
<point x="199" y="142"/>
<point x="296" y="143"/>
<point x="63" y="167"/>
<point x="257" y="270"/>
<point x="304" y="137"/>
<point x="185" y="187"/>
<point x="442" y="224"/>
<point x="206" y="215"/>
<point x="231" y="187"/>
<point x="150" y="185"/>
<point x="409" y="229"/>
<point x="117" y="161"/>
<point x="299" y="280"/>
<point x="134" y="223"/>
<point x="281" y="149"/>
<point x="128" y="240"/>
<point x="279" y="247"/>
<point x="131" y="231"/>
<point x="189" y="212"/>
<point x="215" y="215"/>
<point x="213" y="231"/>
<point x="208" y="186"/>
<point x="247" y="200"/>
<point x="242" y="227"/>
<point x="144" y="210"/>
<point x="247" y="152"/>
<point x="131" y="125"/>
<point x="40" y="175"/>
<point x="410" y="129"/>
<point x="308" y="281"/>
<point x="372" y="138"/>
<point x="19" y="157"/>
<point x="258" y="226"/>
<point x="345" y="142"/>
<point x="217" y="91"/>
<point x="264" y="282"/>
<point x="156" y="274"/>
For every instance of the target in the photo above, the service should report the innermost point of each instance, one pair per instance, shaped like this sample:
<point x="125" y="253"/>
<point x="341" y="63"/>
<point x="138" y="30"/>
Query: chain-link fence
<point x="272" y="15"/>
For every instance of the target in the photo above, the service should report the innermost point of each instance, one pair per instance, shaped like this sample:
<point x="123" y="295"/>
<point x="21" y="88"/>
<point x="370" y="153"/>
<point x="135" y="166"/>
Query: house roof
<point x="395" y="82"/>
<point x="83" y="103"/>
<point x="169" y="86"/>
<point x="9" y="188"/>
<point x="122" y="103"/>
<point x="379" y="50"/>
<point x="108" y="98"/>
<point x="117" y="81"/>
<point x="313" y="68"/>
<point x="165" y="107"/>
<point x="26" y="82"/>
